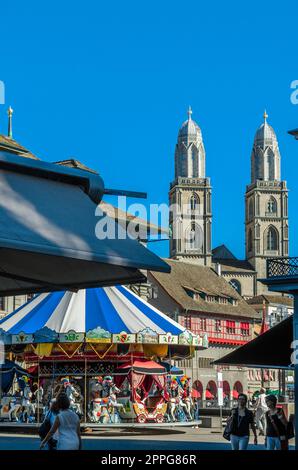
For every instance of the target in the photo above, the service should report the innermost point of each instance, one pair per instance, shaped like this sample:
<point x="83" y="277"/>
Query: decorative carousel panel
<point x="147" y="336"/>
<point x="168" y="338"/>
<point x="124" y="338"/>
<point x="45" y="335"/>
<point x="22" y="338"/>
<point x="186" y="338"/>
<point x="205" y="341"/>
<point x="197" y="340"/>
<point x="98" y="335"/>
<point x="71" y="337"/>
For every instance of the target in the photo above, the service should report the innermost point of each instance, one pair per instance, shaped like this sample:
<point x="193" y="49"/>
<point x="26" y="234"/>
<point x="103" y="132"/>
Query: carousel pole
<point x="85" y="392"/>
<point x="38" y="378"/>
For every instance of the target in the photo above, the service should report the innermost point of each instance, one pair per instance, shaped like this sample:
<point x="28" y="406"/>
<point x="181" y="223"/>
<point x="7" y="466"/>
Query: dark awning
<point x="47" y="232"/>
<point x="270" y="350"/>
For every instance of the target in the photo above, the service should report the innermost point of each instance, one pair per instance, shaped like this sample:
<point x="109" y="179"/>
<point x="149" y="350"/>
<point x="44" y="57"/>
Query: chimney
<point x="218" y="269"/>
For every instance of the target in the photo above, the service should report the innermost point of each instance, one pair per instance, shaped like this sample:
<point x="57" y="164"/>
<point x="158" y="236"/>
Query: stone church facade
<point x="266" y="210"/>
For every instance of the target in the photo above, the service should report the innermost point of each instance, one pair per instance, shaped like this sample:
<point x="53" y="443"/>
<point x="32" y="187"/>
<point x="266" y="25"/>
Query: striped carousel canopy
<point x="97" y="313"/>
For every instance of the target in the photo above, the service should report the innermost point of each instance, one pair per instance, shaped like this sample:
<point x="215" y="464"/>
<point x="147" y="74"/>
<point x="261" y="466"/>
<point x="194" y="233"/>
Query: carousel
<point x="106" y="348"/>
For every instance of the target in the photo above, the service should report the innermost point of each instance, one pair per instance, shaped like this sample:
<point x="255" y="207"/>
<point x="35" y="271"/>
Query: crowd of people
<point x="265" y="417"/>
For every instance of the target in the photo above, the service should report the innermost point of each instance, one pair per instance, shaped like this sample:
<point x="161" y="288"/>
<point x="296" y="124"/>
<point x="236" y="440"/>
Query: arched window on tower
<point x="236" y="284"/>
<point x="271" y="206"/>
<point x="269" y="172"/>
<point x="195" y="162"/>
<point x="194" y="203"/>
<point x="271" y="239"/>
<point x="249" y="240"/>
<point x="251" y="209"/>
<point x="193" y="237"/>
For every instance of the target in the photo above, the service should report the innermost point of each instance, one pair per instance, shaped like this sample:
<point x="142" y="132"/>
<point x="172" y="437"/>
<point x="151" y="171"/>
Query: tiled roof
<point x="203" y="279"/>
<point x="236" y="266"/>
<point x="10" y="145"/>
<point x="73" y="163"/>
<point x="271" y="299"/>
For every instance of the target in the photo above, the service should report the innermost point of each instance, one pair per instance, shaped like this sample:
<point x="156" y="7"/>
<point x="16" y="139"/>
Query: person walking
<point x="242" y="420"/>
<point x="260" y="410"/>
<point x="67" y="425"/>
<point x="51" y="416"/>
<point x="276" y="429"/>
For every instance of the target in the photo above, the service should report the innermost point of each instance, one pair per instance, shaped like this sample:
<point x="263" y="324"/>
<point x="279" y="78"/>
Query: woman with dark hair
<point x="67" y="424"/>
<point x="276" y="433"/>
<point x="242" y="419"/>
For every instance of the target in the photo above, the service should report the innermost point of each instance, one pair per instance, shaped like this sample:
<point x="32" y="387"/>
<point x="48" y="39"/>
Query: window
<point x="218" y="326"/>
<point x="210" y="298"/>
<point x="272" y="236"/>
<point x="2" y="303"/>
<point x="203" y="324"/>
<point x="249" y="240"/>
<point x="230" y="327"/>
<point x="272" y="206"/>
<point x="244" y="328"/>
<point x="251" y="209"/>
<point x="269" y="166"/>
<point x="187" y="322"/>
<point x="257" y="230"/>
<point x="194" y="202"/>
<point x="194" y="237"/>
<point x="153" y="292"/>
<point x="236" y="284"/>
<point x="286" y="206"/>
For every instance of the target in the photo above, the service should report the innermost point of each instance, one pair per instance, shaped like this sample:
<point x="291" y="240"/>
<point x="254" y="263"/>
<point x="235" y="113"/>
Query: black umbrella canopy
<point x="271" y="349"/>
<point x="51" y="232"/>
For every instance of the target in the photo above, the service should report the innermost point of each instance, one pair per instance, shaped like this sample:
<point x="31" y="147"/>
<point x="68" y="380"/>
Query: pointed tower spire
<point x="10" y="113"/>
<point x="189" y="112"/>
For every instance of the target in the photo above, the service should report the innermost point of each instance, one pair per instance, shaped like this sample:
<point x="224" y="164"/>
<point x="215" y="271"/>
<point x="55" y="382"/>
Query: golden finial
<point x="10" y="113"/>
<point x="265" y="115"/>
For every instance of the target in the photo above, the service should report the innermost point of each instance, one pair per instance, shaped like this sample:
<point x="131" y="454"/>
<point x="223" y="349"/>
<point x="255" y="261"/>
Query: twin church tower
<point x="266" y="201"/>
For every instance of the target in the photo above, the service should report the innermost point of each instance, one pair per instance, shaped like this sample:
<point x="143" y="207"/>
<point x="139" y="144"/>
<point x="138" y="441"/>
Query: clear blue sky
<point x="109" y="83"/>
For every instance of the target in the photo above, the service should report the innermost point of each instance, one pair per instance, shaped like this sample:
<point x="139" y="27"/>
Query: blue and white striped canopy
<point x="114" y="309"/>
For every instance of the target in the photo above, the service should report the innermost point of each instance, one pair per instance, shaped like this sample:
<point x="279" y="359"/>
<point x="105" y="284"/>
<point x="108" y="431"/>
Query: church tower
<point x="266" y="205"/>
<point x="190" y="198"/>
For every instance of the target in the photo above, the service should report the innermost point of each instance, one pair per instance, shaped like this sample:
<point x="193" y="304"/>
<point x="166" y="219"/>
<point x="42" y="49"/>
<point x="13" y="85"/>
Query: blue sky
<point x="109" y="83"/>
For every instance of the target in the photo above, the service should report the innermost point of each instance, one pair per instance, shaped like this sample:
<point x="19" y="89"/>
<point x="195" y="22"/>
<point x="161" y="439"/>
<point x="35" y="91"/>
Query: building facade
<point x="190" y="198"/>
<point x="205" y="303"/>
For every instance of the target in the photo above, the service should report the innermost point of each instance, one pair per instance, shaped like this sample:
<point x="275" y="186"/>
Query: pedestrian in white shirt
<point x="67" y="425"/>
<point x="260" y="410"/>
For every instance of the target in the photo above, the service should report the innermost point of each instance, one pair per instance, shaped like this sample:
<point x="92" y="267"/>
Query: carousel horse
<point x="109" y="387"/>
<point x="115" y="406"/>
<point x="173" y="401"/>
<point x="187" y="403"/>
<point x="72" y="393"/>
<point x="95" y="412"/>
<point x="75" y="399"/>
<point x="28" y="407"/>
